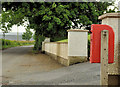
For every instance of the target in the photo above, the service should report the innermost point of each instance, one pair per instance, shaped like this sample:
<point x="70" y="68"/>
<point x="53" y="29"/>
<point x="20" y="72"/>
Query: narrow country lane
<point x="21" y="67"/>
<point x="18" y="62"/>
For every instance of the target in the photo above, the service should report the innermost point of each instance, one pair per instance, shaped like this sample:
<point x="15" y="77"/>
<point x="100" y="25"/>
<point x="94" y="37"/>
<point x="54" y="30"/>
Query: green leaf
<point x="50" y="26"/>
<point x="57" y="20"/>
<point x="46" y="18"/>
<point x="54" y="5"/>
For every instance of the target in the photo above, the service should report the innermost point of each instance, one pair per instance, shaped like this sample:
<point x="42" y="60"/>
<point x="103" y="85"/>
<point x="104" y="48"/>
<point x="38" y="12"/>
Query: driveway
<point x="21" y="67"/>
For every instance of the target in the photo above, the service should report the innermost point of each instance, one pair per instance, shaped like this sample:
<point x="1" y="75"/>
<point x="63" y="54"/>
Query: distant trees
<point x="52" y="19"/>
<point x="4" y="31"/>
<point x="27" y="35"/>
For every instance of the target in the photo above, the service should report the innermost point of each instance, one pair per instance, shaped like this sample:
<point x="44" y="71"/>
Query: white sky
<point x="22" y="28"/>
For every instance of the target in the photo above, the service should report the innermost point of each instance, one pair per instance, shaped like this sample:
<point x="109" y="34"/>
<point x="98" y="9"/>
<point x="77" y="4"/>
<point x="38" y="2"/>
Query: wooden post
<point x="104" y="57"/>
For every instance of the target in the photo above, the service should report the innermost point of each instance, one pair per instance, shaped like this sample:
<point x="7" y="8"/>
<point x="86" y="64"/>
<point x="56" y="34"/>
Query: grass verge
<point x="66" y="40"/>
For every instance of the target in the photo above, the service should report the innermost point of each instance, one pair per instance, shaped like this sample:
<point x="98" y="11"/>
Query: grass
<point x="66" y="40"/>
<point x="88" y="36"/>
<point x="12" y="43"/>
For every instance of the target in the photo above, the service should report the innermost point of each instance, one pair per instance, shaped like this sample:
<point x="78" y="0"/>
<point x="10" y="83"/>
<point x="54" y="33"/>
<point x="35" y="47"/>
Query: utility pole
<point x="118" y="5"/>
<point x="17" y="34"/>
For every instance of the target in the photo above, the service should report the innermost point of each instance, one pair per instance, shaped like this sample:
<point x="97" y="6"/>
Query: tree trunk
<point x="38" y="40"/>
<point x="3" y="35"/>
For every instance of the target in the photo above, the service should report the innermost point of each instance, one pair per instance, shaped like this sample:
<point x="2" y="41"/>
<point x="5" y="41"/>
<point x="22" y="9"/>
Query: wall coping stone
<point x="58" y="42"/>
<point x="77" y="30"/>
<point x="109" y="15"/>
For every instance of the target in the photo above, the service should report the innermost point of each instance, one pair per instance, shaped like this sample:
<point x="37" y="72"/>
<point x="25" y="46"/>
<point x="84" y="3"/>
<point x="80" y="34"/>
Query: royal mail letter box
<point x="95" y="46"/>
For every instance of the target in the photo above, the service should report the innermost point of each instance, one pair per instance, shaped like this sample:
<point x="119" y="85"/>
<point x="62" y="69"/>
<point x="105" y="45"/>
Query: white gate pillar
<point x="77" y="45"/>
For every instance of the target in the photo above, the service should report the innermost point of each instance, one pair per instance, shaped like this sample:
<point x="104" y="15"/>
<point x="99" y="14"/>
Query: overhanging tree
<point x="27" y="35"/>
<point x="52" y="19"/>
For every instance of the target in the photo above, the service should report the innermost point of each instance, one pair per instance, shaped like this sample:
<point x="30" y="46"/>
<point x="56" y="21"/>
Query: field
<point x="13" y="43"/>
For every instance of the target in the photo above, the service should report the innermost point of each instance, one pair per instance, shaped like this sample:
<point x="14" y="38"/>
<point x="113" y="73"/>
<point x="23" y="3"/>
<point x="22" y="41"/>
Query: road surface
<point x="21" y="67"/>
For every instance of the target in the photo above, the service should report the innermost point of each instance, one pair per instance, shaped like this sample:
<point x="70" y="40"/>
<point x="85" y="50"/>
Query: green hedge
<point x="12" y="43"/>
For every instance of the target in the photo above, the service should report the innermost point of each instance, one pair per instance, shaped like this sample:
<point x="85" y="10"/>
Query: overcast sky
<point x="22" y="28"/>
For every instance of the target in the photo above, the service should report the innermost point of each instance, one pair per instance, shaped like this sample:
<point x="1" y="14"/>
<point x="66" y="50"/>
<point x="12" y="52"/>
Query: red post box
<point x="95" y="46"/>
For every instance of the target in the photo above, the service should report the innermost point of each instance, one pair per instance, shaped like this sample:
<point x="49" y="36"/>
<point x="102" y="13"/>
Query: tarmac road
<point x="21" y="67"/>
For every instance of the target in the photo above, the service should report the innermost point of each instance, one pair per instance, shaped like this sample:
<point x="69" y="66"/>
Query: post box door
<point x="95" y="46"/>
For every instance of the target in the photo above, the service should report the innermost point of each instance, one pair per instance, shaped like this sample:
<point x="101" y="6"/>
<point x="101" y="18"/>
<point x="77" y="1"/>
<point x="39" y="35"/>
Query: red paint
<point x="95" y="46"/>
